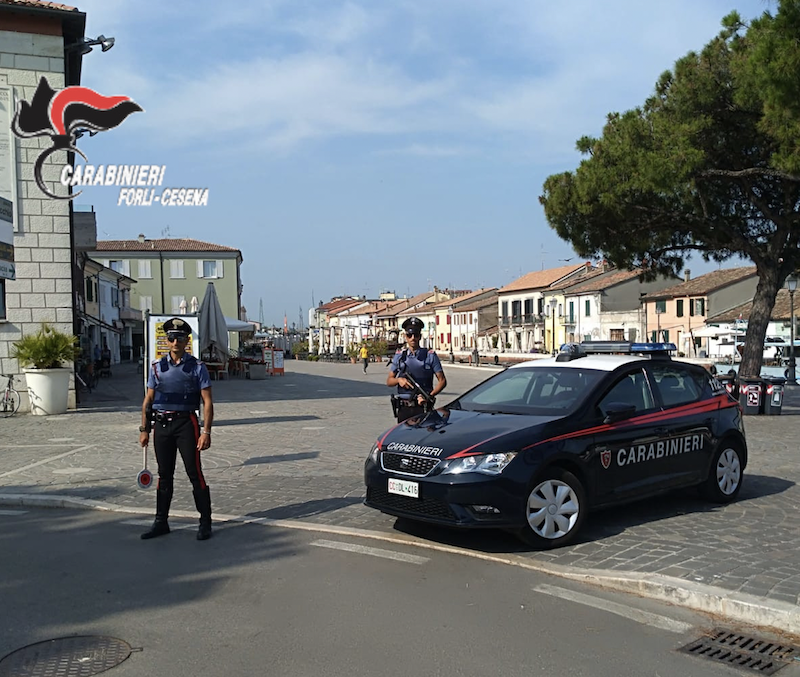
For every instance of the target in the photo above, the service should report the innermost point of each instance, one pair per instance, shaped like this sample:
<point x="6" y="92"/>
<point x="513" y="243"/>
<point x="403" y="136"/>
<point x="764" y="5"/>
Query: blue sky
<point x="358" y="147"/>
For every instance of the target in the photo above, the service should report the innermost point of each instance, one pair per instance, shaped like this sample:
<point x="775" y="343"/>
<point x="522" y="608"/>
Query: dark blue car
<point x="535" y="447"/>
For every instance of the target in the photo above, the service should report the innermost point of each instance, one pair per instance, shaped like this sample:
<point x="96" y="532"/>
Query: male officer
<point x="422" y="364"/>
<point x="175" y="387"/>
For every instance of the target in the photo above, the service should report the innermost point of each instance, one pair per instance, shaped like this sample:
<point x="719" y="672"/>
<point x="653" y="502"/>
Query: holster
<point x="395" y="406"/>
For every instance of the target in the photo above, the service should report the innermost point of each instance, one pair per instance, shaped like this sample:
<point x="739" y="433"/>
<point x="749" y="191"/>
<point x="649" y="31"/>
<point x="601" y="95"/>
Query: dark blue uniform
<point x="176" y="428"/>
<point x="422" y="364"/>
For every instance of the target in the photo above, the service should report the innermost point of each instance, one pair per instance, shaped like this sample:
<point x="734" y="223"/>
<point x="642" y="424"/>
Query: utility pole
<point x="261" y="312"/>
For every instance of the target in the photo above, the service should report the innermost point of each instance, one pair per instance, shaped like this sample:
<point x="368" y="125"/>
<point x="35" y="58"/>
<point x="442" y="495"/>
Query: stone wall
<point x="42" y="291"/>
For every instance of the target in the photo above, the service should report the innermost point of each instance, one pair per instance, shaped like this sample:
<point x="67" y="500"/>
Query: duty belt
<point x="165" y="416"/>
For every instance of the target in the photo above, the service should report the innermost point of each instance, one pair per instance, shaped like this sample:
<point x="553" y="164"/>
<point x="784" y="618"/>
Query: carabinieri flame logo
<point x="62" y="115"/>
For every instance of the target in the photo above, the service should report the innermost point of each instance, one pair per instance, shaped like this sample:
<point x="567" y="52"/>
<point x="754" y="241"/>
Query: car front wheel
<point x="554" y="510"/>
<point x="725" y="476"/>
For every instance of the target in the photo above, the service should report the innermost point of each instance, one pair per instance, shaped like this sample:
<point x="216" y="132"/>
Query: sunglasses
<point x="176" y="337"/>
<point x="413" y="333"/>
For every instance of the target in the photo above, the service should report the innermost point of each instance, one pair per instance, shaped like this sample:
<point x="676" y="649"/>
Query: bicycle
<point x="10" y="400"/>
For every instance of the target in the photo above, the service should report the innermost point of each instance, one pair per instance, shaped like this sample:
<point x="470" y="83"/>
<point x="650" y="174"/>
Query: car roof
<point x="598" y="362"/>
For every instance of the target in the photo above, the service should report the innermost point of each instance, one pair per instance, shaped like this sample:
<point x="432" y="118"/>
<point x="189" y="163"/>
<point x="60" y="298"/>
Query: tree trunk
<point x="763" y="301"/>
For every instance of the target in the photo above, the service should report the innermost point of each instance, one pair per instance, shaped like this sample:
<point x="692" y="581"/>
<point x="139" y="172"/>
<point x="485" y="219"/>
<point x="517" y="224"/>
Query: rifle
<point x="429" y="399"/>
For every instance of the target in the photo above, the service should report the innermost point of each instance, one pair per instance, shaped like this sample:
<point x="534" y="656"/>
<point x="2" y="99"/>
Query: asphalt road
<point x="257" y="600"/>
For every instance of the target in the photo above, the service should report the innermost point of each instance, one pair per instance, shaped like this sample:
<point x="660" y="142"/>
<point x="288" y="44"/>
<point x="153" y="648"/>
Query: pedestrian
<point x="364" y="353"/>
<point x="422" y="364"/>
<point x="176" y="385"/>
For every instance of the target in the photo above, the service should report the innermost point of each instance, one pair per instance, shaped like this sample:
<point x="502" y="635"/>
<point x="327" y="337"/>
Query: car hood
<point x="458" y="433"/>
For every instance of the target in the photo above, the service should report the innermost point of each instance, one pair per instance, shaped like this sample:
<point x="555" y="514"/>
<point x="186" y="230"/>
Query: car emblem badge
<point x="405" y="462"/>
<point x="605" y="457"/>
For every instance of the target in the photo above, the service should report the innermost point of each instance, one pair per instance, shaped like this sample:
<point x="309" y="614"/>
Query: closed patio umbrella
<point x="211" y="325"/>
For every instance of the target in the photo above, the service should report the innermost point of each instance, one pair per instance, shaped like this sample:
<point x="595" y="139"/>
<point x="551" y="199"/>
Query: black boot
<point x="160" y="526"/>
<point x="202" y="499"/>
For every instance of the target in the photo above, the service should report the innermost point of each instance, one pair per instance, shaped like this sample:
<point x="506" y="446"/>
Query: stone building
<point x="37" y="39"/>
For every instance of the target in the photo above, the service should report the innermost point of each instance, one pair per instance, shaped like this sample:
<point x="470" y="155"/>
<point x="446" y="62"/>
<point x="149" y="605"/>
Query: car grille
<point x="414" y="506"/>
<point x="408" y="464"/>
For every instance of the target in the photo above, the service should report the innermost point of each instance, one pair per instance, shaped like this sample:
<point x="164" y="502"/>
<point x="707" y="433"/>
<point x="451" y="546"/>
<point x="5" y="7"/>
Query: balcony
<point x="530" y="319"/>
<point x="130" y="314"/>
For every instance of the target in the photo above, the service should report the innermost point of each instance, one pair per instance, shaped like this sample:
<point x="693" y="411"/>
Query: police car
<point x="535" y="447"/>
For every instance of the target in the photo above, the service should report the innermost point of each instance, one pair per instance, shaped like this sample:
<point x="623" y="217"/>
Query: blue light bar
<point x="625" y="347"/>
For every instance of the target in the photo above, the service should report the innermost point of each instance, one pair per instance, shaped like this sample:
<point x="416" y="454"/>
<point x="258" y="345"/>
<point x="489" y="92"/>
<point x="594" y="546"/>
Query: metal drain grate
<point x="66" y="657"/>
<point x="742" y="651"/>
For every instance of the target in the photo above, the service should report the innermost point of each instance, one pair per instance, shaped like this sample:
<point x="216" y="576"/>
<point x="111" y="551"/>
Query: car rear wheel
<point x="725" y="477"/>
<point x="554" y="510"/>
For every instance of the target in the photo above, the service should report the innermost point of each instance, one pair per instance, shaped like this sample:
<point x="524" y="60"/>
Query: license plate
<point x="404" y="488"/>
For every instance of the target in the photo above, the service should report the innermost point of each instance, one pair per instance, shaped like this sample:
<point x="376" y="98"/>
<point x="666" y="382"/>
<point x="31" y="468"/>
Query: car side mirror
<point x="618" y="411"/>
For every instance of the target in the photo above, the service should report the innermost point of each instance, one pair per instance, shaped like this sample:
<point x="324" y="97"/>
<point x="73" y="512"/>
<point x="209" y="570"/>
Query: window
<point x="144" y="269"/>
<point x="437" y="320"/>
<point x="697" y="307"/>
<point x="571" y="312"/>
<point x="516" y="310"/>
<point x="176" y="270"/>
<point x="123" y="267"/>
<point x="209" y="269"/>
<point x="679" y="307"/>
<point x="146" y="303"/>
<point x="528" y="309"/>
<point x="587" y="311"/>
<point x="176" y="304"/>
<point x="504" y="311"/>
<point x="617" y="335"/>
<point x="115" y="297"/>
<point x="2" y="299"/>
<point x="630" y="389"/>
<point x="676" y="385"/>
<point x="89" y="289"/>
<point x="540" y="305"/>
<point x="661" y="307"/>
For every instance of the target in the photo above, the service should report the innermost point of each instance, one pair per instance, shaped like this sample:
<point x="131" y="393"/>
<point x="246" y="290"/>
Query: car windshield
<point x="537" y="391"/>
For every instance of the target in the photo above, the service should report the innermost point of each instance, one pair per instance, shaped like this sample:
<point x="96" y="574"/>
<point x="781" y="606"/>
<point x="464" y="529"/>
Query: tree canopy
<point x="710" y="164"/>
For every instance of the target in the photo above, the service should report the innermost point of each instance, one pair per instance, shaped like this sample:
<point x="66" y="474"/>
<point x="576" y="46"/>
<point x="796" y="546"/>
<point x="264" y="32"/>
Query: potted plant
<point x="41" y="355"/>
<point x="352" y="352"/>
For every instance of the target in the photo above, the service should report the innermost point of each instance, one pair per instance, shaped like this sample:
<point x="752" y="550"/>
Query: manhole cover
<point x="742" y="651"/>
<point x="65" y="657"/>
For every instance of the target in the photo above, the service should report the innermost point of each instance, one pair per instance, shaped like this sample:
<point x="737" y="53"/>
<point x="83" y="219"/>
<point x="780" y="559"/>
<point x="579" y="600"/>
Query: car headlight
<point x="488" y="464"/>
<point x="373" y="454"/>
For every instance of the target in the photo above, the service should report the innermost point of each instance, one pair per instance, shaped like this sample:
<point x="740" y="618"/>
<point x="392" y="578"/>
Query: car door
<point x="686" y="422"/>
<point x="621" y="446"/>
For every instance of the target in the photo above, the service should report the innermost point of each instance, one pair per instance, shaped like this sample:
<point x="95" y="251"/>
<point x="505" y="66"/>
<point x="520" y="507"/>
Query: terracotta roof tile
<point x="542" y="278"/>
<point x="39" y="4"/>
<point x="781" y="311"/>
<point x="704" y="284"/>
<point x="172" y="244"/>
<point x="458" y="300"/>
<point x="480" y="303"/>
<point x="601" y="280"/>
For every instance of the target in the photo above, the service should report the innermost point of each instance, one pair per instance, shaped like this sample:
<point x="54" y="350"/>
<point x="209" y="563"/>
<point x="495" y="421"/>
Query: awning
<point x="238" y="325"/>
<point x="91" y="319"/>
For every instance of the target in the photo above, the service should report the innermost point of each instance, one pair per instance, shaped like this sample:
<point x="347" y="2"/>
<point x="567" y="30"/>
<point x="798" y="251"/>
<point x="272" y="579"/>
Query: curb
<point x="776" y="616"/>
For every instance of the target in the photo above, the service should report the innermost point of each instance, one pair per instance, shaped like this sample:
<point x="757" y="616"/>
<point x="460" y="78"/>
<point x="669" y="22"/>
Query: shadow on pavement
<point x="307" y="508"/>
<point x="67" y="569"/>
<point x="263" y="419"/>
<point x="278" y="458"/>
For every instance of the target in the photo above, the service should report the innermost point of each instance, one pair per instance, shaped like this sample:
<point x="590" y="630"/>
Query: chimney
<point x="687" y="274"/>
<point x="604" y="266"/>
<point x="141" y="238"/>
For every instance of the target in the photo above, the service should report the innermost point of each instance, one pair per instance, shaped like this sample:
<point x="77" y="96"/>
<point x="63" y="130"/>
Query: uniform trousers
<point x="171" y="435"/>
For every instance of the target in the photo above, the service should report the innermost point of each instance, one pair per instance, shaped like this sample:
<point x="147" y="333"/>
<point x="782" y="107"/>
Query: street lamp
<point x="553" y="304"/>
<point x="791" y="285"/>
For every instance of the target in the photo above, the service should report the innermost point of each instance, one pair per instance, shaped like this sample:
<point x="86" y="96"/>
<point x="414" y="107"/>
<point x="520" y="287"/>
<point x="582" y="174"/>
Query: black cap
<point x="413" y="324"/>
<point x="176" y="324"/>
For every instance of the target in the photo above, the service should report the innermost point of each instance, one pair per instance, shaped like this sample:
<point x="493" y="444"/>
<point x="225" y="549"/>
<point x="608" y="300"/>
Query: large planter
<point x="48" y="390"/>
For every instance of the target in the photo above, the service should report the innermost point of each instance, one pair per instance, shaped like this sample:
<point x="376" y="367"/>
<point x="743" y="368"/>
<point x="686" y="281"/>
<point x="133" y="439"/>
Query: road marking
<point x="61" y="439"/>
<point x="13" y="512"/>
<point x="45" y="460"/>
<point x="644" y="617"/>
<point x="71" y="471"/>
<point x="314" y="427"/>
<point x="375" y="552"/>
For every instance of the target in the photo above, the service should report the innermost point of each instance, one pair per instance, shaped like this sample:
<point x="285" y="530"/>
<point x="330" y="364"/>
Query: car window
<point x="676" y="384"/>
<point x="545" y="391"/>
<point x="630" y="389"/>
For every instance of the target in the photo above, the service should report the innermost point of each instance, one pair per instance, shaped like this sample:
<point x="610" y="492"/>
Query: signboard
<point x="268" y="353"/>
<point x="8" y="157"/>
<point x="277" y="359"/>
<point x="7" y="270"/>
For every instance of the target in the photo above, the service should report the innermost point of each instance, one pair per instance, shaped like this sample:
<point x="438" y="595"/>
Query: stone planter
<point x="48" y="390"/>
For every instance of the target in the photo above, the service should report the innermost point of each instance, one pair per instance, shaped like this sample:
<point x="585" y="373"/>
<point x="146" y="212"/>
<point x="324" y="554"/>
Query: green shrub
<point x="46" y="349"/>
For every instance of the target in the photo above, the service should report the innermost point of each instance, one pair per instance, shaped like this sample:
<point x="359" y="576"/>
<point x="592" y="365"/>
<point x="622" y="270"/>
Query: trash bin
<point x="730" y="384"/>
<point x="751" y="394"/>
<point x="773" y="398"/>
